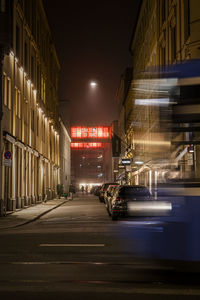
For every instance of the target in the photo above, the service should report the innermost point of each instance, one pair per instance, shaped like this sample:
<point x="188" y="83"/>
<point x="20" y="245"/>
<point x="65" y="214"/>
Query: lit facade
<point x="29" y="100"/>
<point x="91" y="155"/>
<point x="167" y="32"/>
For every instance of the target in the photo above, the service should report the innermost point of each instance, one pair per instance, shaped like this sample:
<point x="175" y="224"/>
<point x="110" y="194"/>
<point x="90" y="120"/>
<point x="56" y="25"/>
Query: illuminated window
<point x="7" y="91"/>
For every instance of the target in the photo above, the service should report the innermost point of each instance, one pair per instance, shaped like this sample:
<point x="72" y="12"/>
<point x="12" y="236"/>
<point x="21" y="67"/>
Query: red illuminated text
<point x="90" y="132"/>
<point x="85" y="145"/>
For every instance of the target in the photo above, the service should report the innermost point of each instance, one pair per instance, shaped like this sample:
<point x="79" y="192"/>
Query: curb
<point x="35" y="218"/>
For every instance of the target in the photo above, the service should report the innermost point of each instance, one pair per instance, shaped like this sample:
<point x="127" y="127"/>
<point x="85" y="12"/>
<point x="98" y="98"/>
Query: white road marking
<point x="71" y="245"/>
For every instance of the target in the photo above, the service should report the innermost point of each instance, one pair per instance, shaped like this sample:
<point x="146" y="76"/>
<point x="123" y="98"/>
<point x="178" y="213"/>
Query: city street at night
<point x="99" y="149"/>
<point x="76" y="251"/>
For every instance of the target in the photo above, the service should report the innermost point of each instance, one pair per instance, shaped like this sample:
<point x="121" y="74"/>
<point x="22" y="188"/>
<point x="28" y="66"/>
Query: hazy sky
<point x="92" y="40"/>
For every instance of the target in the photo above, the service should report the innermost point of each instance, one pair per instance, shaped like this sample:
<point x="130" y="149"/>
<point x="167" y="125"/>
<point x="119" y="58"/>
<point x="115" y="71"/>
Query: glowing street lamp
<point x="93" y="84"/>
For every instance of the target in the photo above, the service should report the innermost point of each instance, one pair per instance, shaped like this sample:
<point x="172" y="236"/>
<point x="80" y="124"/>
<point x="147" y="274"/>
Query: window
<point x="163" y="11"/>
<point x="26" y="56"/>
<point x="17" y="44"/>
<point x="37" y="125"/>
<point x="38" y="77"/>
<point x="32" y="69"/>
<point x="186" y="4"/>
<point x="7" y="91"/>
<point x="163" y="56"/>
<point x="17" y="103"/>
<point x="173" y="44"/>
<point x="25" y="112"/>
<point x="44" y="130"/>
<point x="3" y="6"/>
<point x="33" y="18"/>
<point x="32" y="119"/>
<point x="43" y="89"/>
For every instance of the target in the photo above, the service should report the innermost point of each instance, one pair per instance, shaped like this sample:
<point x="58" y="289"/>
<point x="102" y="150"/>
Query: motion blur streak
<point x="149" y="208"/>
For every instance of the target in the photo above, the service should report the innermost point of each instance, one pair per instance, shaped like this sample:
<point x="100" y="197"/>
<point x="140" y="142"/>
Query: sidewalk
<point x="29" y="214"/>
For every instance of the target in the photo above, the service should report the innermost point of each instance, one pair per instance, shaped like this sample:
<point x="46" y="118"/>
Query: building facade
<point x="166" y="33"/>
<point x="65" y="156"/>
<point x="29" y="100"/>
<point x="91" y="151"/>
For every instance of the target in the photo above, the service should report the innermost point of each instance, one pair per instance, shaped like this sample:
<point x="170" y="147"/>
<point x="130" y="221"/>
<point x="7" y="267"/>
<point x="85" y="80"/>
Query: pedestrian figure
<point x="71" y="191"/>
<point x="82" y="189"/>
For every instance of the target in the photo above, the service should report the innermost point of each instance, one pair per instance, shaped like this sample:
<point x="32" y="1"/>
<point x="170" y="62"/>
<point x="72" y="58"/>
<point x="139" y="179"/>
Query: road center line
<point x="71" y="245"/>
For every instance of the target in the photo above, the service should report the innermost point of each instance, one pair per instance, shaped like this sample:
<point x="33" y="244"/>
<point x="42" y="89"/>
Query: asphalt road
<point x="77" y="252"/>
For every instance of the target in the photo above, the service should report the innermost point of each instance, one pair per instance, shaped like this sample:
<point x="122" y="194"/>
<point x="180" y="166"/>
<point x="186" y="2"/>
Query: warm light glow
<point x="86" y="145"/>
<point x="91" y="132"/>
<point x="88" y="184"/>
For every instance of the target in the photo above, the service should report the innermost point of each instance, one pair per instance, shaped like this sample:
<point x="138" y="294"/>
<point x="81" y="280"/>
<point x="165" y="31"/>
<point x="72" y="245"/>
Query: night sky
<point x="92" y="40"/>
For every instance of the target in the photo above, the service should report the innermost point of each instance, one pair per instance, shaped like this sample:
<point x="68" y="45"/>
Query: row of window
<point x="164" y="11"/>
<point x="18" y="103"/>
<point x="29" y="63"/>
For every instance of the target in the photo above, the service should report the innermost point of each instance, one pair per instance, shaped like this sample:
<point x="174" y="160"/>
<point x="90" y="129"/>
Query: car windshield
<point x="134" y="191"/>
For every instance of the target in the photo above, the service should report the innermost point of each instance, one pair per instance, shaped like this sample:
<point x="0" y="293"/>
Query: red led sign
<point x="86" y="145"/>
<point x="91" y="132"/>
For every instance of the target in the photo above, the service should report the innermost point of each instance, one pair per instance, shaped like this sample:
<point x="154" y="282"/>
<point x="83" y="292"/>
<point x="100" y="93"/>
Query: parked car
<point x="136" y="200"/>
<point x="104" y="189"/>
<point x="97" y="190"/>
<point x="117" y="205"/>
<point x="92" y="190"/>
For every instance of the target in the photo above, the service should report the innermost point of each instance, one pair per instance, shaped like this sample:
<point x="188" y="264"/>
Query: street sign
<point x="7" y="155"/>
<point x="7" y="162"/>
